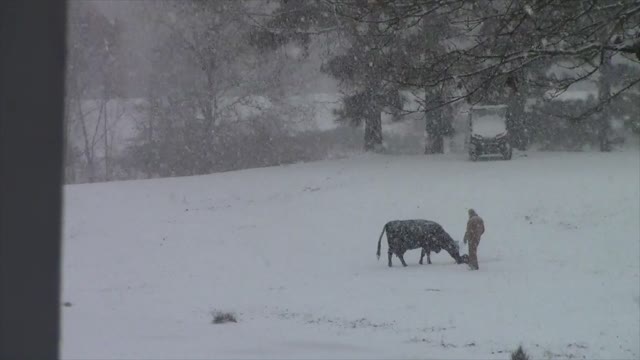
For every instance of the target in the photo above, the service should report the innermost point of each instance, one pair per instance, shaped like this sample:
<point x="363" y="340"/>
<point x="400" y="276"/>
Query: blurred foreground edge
<point x="32" y="54"/>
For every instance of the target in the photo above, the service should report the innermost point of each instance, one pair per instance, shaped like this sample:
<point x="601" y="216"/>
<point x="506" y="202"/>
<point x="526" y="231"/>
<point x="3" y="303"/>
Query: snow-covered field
<point x="291" y="251"/>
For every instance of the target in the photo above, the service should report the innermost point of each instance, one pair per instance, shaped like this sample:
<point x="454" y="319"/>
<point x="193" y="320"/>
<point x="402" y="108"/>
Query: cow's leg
<point x="402" y="259"/>
<point x="429" y="257"/>
<point x="422" y="255"/>
<point x="390" y="254"/>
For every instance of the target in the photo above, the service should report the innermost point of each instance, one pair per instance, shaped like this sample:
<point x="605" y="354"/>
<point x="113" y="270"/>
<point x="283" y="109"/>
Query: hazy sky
<point x="141" y="36"/>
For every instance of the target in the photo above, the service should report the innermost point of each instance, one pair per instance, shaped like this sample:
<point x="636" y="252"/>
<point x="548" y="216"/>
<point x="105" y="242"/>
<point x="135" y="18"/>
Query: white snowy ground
<point x="291" y="251"/>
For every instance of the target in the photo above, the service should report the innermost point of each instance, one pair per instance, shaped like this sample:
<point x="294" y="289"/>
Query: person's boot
<point x="473" y="265"/>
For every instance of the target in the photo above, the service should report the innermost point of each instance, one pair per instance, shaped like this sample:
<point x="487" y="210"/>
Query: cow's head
<point x="453" y="248"/>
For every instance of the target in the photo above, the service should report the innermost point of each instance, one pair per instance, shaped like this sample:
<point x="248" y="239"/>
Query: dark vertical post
<point x="32" y="53"/>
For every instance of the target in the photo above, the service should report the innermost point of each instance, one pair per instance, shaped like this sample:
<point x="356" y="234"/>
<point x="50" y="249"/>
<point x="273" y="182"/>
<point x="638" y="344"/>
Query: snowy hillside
<point x="291" y="251"/>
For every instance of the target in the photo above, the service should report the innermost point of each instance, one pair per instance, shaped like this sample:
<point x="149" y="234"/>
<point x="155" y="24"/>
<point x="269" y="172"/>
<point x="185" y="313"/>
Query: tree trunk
<point x="515" y="121"/>
<point x="435" y="127"/>
<point x="87" y="151"/>
<point x="69" y="160"/>
<point x="604" y="93"/>
<point x="373" y="130"/>
<point x="434" y="132"/>
<point x="373" y="119"/>
<point x="107" y="169"/>
<point x="90" y="168"/>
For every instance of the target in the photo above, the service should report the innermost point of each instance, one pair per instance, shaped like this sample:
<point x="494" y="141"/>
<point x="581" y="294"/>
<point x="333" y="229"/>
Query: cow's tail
<point x="380" y="240"/>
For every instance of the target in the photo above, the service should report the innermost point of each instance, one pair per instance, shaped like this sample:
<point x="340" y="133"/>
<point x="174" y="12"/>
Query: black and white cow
<point x="403" y="235"/>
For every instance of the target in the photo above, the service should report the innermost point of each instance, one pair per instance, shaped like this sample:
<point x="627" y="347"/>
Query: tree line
<point x="224" y="74"/>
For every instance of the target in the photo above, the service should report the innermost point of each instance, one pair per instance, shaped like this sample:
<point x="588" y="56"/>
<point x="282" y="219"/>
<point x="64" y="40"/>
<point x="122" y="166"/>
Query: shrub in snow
<point x="220" y="317"/>
<point x="519" y="354"/>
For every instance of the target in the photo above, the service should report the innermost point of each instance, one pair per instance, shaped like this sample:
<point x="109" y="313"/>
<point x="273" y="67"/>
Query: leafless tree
<point x="91" y="82"/>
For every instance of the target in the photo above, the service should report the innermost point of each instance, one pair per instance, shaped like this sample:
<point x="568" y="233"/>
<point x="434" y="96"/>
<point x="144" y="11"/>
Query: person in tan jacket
<point x="475" y="229"/>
